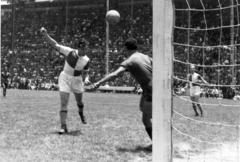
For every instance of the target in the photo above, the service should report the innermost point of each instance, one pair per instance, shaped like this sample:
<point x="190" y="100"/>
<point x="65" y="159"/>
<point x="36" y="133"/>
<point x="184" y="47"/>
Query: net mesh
<point x="206" y="34"/>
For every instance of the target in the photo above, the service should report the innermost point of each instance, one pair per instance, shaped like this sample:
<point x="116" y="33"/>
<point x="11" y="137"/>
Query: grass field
<point x="30" y="121"/>
<point x="114" y="133"/>
<point x="212" y="138"/>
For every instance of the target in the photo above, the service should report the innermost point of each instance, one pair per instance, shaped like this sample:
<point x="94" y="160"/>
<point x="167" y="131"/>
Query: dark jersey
<point x="140" y="67"/>
<point x="4" y="77"/>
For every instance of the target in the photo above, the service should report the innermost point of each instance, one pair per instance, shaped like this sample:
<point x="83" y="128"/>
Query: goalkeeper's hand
<point x="92" y="86"/>
<point x="95" y="85"/>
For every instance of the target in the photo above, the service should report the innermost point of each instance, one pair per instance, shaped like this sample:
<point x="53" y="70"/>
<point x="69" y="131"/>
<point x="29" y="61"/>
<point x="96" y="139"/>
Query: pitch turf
<point x="212" y="138"/>
<point x="29" y="121"/>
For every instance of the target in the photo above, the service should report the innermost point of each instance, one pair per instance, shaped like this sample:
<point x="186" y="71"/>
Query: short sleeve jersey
<point x="74" y="64"/>
<point x="140" y="67"/>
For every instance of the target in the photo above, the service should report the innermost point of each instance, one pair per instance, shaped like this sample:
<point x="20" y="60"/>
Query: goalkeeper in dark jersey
<point x="5" y="75"/>
<point x="140" y="67"/>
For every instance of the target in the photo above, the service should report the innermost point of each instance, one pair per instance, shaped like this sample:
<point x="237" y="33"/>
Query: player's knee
<point x="64" y="105"/>
<point x="63" y="108"/>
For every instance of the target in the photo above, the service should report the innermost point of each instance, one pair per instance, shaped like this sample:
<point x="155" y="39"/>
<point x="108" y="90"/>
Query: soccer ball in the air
<point x="112" y="17"/>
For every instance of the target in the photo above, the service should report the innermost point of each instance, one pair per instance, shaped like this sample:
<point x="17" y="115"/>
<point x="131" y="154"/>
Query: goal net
<point x="206" y="34"/>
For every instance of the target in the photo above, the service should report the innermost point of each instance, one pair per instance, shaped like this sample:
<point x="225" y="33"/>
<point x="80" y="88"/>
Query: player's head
<point x="82" y="44"/>
<point x="192" y="68"/>
<point x="131" y="44"/>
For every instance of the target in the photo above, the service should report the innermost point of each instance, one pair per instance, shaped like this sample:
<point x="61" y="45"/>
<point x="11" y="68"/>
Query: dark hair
<point x="131" y="44"/>
<point x="82" y="43"/>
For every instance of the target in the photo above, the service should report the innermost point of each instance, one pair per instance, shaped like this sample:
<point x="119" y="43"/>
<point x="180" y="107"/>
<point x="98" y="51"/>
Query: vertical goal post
<point x="162" y="80"/>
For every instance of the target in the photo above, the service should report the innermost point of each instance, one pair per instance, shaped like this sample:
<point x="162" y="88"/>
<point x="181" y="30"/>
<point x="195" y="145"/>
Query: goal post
<point x="162" y="80"/>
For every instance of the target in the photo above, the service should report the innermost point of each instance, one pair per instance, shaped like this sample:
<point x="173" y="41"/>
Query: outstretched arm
<point x="111" y="76"/>
<point x="203" y="80"/>
<point x="50" y="40"/>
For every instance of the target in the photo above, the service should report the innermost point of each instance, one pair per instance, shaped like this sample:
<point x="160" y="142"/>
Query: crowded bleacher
<point x="30" y="60"/>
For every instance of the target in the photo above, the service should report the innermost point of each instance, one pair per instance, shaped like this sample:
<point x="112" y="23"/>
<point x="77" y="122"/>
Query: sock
<point x="195" y="109"/>
<point x="149" y="131"/>
<point x="200" y="108"/>
<point x="80" y="108"/>
<point x="80" y="111"/>
<point x="63" y="117"/>
<point x="4" y="92"/>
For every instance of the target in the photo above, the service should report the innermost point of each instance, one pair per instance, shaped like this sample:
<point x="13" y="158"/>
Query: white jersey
<point x="194" y="88"/>
<point x="74" y="64"/>
<point x="194" y="78"/>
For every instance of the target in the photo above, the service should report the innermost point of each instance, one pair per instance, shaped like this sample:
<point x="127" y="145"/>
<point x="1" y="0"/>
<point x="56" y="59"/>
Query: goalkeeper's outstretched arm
<point x="111" y="76"/>
<point x="50" y="40"/>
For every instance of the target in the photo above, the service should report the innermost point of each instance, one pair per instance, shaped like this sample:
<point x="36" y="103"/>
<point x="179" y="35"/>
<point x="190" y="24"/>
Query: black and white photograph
<point x="120" y="81"/>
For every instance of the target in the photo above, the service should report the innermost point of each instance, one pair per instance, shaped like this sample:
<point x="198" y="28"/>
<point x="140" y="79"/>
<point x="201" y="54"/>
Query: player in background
<point x="140" y="67"/>
<point x="71" y="78"/>
<point x="5" y="75"/>
<point x="194" y="84"/>
<point x="37" y="83"/>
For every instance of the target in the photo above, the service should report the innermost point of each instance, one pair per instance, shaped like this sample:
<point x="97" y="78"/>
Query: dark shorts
<point x="4" y="84"/>
<point x="147" y="92"/>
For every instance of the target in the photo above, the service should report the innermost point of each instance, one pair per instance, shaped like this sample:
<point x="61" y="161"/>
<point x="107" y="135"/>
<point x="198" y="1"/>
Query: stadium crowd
<point x="34" y="63"/>
<point x="210" y="50"/>
<point x="32" y="60"/>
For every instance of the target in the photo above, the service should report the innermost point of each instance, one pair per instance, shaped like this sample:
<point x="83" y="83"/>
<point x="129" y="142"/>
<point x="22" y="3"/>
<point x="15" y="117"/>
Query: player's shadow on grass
<point x="133" y="150"/>
<point x="71" y="133"/>
<point x="74" y="133"/>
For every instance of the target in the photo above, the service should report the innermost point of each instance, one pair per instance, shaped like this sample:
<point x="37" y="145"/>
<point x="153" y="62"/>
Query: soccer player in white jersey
<point x="71" y="78"/>
<point x="194" y="83"/>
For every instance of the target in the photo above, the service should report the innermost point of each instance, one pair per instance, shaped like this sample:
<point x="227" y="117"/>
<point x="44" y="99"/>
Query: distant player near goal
<point x="5" y="75"/>
<point x="194" y="83"/>
<point x="71" y="78"/>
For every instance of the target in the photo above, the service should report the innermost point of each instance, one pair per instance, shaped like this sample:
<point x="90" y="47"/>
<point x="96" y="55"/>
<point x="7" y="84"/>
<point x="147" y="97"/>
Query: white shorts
<point x="69" y="83"/>
<point x="195" y="91"/>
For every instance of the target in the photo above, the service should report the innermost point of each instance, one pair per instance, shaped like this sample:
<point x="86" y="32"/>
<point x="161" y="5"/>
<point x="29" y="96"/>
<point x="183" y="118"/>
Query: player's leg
<point x="197" y="96"/>
<point x="194" y="105"/>
<point x="78" y="97"/>
<point x="78" y="89"/>
<point x="198" y="105"/>
<point x="146" y="119"/>
<point x="4" y="89"/>
<point x="64" y="96"/>
<point x="65" y="90"/>
<point x="141" y="103"/>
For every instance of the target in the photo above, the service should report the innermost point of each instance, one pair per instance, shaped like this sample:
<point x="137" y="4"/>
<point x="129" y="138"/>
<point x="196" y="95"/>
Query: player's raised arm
<point x="50" y="40"/>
